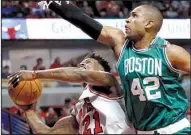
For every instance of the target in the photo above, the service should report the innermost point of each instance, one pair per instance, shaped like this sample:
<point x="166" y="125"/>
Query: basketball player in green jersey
<point x="148" y="66"/>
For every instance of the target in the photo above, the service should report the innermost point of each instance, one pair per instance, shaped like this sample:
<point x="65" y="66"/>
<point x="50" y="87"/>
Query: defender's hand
<point x="23" y="75"/>
<point x="45" y="4"/>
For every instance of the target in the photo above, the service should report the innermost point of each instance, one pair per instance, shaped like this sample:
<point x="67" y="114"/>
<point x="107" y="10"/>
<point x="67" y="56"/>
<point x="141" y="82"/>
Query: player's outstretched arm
<point x="67" y="74"/>
<point x="179" y="58"/>
<point x="110" y="36"/>
<point x="66" y="125"/>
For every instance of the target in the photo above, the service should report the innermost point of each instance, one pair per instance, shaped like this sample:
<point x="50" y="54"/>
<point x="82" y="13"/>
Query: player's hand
<point x="28" y="107"/>
<point x="42" y="4"/>
<point x="45" y="4"/>
<point x="23" y="75"/>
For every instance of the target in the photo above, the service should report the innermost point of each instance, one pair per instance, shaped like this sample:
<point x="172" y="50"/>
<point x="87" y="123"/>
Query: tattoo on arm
<point x="76" y="75"/>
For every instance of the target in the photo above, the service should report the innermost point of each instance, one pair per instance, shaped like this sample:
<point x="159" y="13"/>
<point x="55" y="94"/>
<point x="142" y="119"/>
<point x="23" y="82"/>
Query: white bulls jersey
<point x="97" y="113"/>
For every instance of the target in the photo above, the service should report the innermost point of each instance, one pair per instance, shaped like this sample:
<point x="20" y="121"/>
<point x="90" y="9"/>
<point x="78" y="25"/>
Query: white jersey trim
<point x="144" y="49"/>
<point x="121" y="52"/>
<point x="169" y="63"/>
<point x="104" y="95"/>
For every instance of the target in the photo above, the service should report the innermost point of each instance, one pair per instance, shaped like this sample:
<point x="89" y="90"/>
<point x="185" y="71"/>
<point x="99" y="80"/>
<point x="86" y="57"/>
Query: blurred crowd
<point x="96" y="9"/>
<point x="40" y="66"/>
<point x="49" y="114"/>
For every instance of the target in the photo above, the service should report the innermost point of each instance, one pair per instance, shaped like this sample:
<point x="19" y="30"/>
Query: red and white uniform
<point x="97" y="113"/>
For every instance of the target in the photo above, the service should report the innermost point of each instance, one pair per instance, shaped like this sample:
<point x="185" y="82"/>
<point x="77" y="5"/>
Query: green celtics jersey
<point x="154" y="98"/>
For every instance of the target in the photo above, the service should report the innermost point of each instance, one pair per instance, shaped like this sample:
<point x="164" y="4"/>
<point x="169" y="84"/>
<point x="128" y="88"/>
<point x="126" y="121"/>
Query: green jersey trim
<point x="121" y="53"/>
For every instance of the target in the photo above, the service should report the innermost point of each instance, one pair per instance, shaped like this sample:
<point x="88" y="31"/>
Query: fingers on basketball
<point x="26" y="92"/>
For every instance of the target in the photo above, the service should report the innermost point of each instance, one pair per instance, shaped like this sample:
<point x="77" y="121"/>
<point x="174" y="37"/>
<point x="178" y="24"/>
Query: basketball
<point x="26" y="93"/>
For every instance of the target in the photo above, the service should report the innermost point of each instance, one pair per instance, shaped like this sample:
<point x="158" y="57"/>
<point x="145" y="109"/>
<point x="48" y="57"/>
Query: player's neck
<point x="144" y="42"/>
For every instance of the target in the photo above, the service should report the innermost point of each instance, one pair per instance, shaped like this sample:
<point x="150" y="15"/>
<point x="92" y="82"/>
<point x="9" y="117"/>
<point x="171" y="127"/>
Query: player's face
<point x="91" y="64"/>
<point x="135" y="24"/>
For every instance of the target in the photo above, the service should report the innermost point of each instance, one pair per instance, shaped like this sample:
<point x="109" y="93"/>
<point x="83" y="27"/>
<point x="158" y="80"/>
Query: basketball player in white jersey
<point x="100" y="109"/>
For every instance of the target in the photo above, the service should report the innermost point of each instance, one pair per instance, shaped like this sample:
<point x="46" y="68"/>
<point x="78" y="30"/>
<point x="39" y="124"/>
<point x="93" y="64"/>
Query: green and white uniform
<point x="154" y="97"/>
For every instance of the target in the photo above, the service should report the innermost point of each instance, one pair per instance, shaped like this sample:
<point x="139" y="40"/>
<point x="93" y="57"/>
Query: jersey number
<point x="97" y="129"/>
<point x="137" y="90"/>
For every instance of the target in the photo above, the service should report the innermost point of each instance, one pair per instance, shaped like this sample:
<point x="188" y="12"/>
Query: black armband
<point x="78" y="18"/>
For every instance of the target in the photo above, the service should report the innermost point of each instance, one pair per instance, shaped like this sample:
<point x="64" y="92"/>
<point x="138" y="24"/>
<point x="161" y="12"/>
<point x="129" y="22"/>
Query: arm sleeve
<point x="77" y="17"/>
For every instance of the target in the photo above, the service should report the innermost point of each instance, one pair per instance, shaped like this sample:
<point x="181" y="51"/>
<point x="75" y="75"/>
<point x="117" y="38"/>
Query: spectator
<point x="184" y="9"/>
<point x="124" y="12"/>
<point x="68" y="106"/>
<point x="113" y="10"/>
<point x="87" y="9"/>
<point x="43" y="113"/>
<point x="101" y="5"/>
<point x="39" y="65"/>
<point x="95" y="9"/>
<point x="103" y="13"/>
<point x="52" y="117"/>
<point x="171" y="13"/>
<point x="6" y="72"/>
<point x="23" y="67"/>
<point x="56" y="63"/>
<point x="73" y="63"/>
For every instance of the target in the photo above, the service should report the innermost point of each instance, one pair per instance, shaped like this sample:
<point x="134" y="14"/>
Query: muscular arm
<point x="113" y="37"/>
<point x="179" y="58"/>
<point x="110" y="36"/>
<point x="66" y="125"/>
<point x="76" y="75"/>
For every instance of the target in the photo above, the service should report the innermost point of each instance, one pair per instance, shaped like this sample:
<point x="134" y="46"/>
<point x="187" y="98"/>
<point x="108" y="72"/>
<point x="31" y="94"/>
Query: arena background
<point x="30" y="33"/>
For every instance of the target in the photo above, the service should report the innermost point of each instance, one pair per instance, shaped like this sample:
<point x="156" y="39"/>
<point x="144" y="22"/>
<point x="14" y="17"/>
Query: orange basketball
<point x="27" y="92"/>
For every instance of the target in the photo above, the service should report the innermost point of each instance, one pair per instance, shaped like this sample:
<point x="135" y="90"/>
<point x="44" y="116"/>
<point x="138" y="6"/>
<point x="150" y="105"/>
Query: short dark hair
<point x="39" y="59"/>
<point x="23" y="66"/>
<point x="6" y="67"/>
<point x="101" y="61"/>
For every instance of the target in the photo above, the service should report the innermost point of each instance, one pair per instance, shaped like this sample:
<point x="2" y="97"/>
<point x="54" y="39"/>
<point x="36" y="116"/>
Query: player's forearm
<point x="78" y="18"/>
<point x="76" y="75"/>
<point x="35" y="123"/>
<point x="68" y="74"/>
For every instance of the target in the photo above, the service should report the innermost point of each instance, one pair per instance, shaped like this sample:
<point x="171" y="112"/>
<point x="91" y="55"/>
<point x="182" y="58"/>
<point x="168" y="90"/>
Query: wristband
<point x="77" y="17"/>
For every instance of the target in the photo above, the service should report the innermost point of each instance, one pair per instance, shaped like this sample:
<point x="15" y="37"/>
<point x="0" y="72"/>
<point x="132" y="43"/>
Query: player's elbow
<point x="110" y="36"/>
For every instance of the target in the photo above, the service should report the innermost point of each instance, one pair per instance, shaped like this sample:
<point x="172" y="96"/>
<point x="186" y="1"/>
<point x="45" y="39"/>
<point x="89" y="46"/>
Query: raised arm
<point x="110" y="36"/>
<point x="68" y="74"/>
<point x="179" y="58"/>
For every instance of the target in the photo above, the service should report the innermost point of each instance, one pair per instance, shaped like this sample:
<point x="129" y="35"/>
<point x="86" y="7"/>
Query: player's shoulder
<point x="174" y="49"/>
<point x="168" y="46"/>
<point x="175" y="53"/>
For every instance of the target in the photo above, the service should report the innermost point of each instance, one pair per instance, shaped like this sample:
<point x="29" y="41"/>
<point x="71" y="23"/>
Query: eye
<point x="134" y="15"/>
